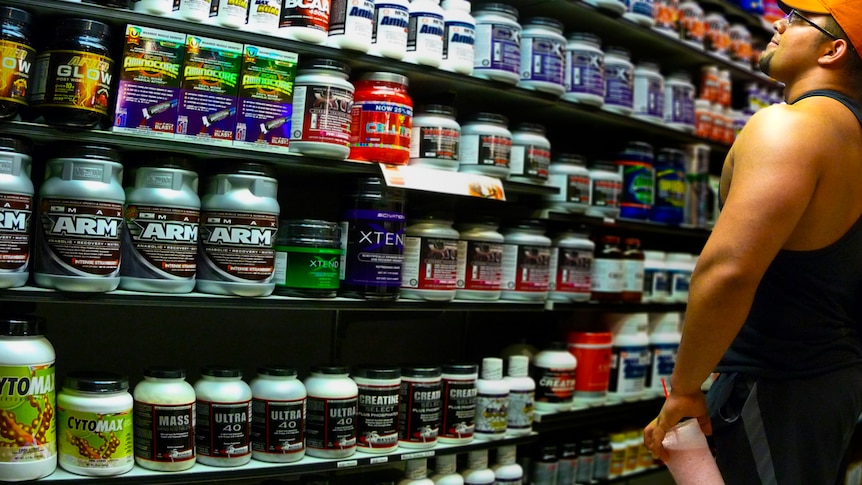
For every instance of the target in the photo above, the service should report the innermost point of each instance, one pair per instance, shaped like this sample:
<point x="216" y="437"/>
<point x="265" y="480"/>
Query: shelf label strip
<point x="444" y="182"/>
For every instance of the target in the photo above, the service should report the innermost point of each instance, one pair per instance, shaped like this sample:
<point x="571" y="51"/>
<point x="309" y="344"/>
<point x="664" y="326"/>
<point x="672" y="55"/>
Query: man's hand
<point x="672" y="411"/>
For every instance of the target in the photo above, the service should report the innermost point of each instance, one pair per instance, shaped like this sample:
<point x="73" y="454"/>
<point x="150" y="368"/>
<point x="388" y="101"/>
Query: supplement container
<point x="571" y="266"/>
<point x="667" y="17"/>
<point x="239" y="221"/>
<point x="530" y="157"/>
<point x="330" y="429"/>
<point x="567" y="466"/>
<point x="223" y="417"/>
<point x="618" y="455"/>
<point x="709" y="83"/>
<point x="606" y="186"/>
<point x="568" y="173"/>
<point x="506" y="469"/>
<point x="425" y="33"/>
<point x="445" y="471"/>
<point x="669" y="198"/>
<point x="164" y="420"/>
<point x="631" y="356"/>
<point x="372" y="231"/>
<point x="231" y="14"/>
<point x="608" y="271"/>
<point x="492" y="401"/>
<point x="351" y="25"/>
<point x="593" y="353"/>
<point x="430" y="267"/>
<point x="679" y="102"/>
<point x="725" y="88"/>
<point x="679" y="268"/>
<point x="635" y="163"/>
<point x="381" y="119"/>
<point x="435" y="138"/>
<point x="459" y="403"/>
<point x="486" y="145"/>
<point x="477" y="472"/>
<point x="480" y="267"/>
<point x="717" y="36"/>
<point x="703" y="118"/>
<point x="15" y="37"/>
<point x="664" y="338"/>
<point x="165" y="8"/>
<point x="193" y="10"/>
<point x="263" y="17"/>
<point x="391" y="21"/>
<point x="16" y="209"/>
<point x="656" y="282"/>
<point x="553" y="370"/>
<point x="416" y="473"/>
<point x="459" y="43"/>
<point x="94" y="421"/>
<point x="419" y="419"/>
<point x="522" y="396"/>
<point x="542" y="56"/>
<point x="740" y="49"/>
<point x="585" y="75"/>
<point x="648" y="92"/>
<point x="27" y="357"/>
<point x="304" y="21"/>
<point x="60" y="94"/>
<point x="634" y="441"/>
<point x="377" y="410"/>
<point x="641" y="12"/>
<point x="602" y="464"/>
<point x="544" y="465"/>
<point x="277" y="415"/>
<point x="586" y="461"/>
<point x="697" y="185"/>
<point x="307" y="258"/>
<point x="162" y="217"/>
<point x="692" y="28"/>
<point x="633" y="270"/>
<point x="80" y="200"/>
<point x="526" y="262"/>
<point x="619" y="89"/>
<point x="322" y="129"/>
<point x="498" y="43"/>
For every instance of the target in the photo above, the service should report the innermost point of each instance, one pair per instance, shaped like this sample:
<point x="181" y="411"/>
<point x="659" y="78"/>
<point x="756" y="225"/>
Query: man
<point x="772" y="300"/>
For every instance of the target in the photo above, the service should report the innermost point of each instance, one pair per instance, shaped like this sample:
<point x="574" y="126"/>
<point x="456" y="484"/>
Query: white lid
<point x="463" y="5"/>
<point x="630" y="324"/>
<point x="678" y="257"/>
<point x="445" y="464"/>
<point x="417" y="468"/>
<point x="667" y="322"/>
<point x="519" y="365"/>
<point x="655" y="255"/>
<point x="492" y="368"/>
<point x="701" y="103"/>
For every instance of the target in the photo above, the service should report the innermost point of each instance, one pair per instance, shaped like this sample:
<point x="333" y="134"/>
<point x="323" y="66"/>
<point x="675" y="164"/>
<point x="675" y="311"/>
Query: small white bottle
<point x="425" y="33"/>
<point x="416" y="473"/>
<point x="477" y="472"/>
<point x="445" y="468"/>
<point x="231" y="14"/>
<point x="507" y="471"/>
<point x="522" y="395"/>
<point x="459" y="44"/>
<point x="389" y="35"/>
<point x="223" y="417"/>
<point x="263" y="17"/>
<point x="351" y="24"/>
<point x="492" y="401"/>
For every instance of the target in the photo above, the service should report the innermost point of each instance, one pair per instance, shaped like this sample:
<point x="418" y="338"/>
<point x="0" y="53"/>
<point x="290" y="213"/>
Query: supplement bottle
<point x="553" y="369"/>
<point x="692" y="28"/>
<point x="165" y="8"/>
<point x="480" y="260"/>
<point x="498" y="43"/>
<point x="618" y="455"/>
<point x="307" y="258"/>
<point x="608" y="272"/>
<point x="277" y="415"/>
<point x="223" y="417"/>
<point x="304" y="21"/>
<point x="656" y="283"/>
<point x="709" y="83"/>
<point x="80" y="200"/>
<point x="477" y="472"/>
<point x="322" y="129"/>
<point x="231" y="14"/>
<point x="162" y="217"/>
<point x="568" y="173"/>
<point x="717" y="33"/>
<point x="669" y="199"/>
<point x="740" y="48"/>
<point x="15" y="38"/>
<point x="492" y="401"/>
<point x="416" y="473"/>
<point x="377" y="409"/>
<point x="419" y="419"/>
<point x="567" y="466"/>
<point x="435" y="137"/>
<point x="27" y="356"/>
<point x="634" y="441"/>
<point x="592" y="350"/>
<point x="16" y="208"/>
<point x="679" y="268"/>
<point x="372" y="232"/>
<point x="381" y="119"/>
<point x="351" y="25"/>
<point x="606" y="186"/>
<point x="459" y="38"/>
<point x="97" y="401"/>
<point x="391" y="21"/>
<point x="530" y="157"/>
<point x="239" y="215"/>
<point x="635" y="163"/>
<point x="679" y="102"/>
<point x="619" y="89"/>
<point x="164" y="420"/>
<point x="425" y="33"/>
<point x="486" y="145"/>
<point x="648" y="92"/>
<point x="522" y="396"/>
<point x="640" y="12"/>
<point x="667" y="17"/>
<point x="571" y="266"/>
<point x="194" y="10"/>
<point x="459" y="403"/>
<point x="430" y="267"/>
<point x="602" y="463"/>
<point x="633" y="271"/>
<point x="445" y="468"/>
<point x="703" y="118"/>
<point x="506" y="470"/>
<point x="585" y="75"/>
<point x="263" y="17"/>
<point x="664" y="338"/>
<point x="545" y="465"/>
<point x="586" y="461"/>
<point x="631" y="356"/>
<point x="543" y="56"/>
<point x="57" y="93"/>
<point x="330" y="430"/>
<point x="526" y="262"/>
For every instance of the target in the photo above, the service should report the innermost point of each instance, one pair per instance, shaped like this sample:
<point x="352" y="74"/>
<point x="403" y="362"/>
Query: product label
<point x="235" y="9"/>
<point x="301" y="267"/>
<point x="670" y="190"/>
<point x="321" y="114"/>
<point x="553" y="385"/>
<point x="492" y="412"/>
<point x="602" y="465"/>
<point x="459" y="42"/>
<point x="530" y="161"/>
<point x="585" y="73"/>
<point x="740" y="45"/>
<point x="656" y="283"/>
<point x="27" y="430"/>
<point x="629" y="365"/>
<point x="375" y="248"/>
<point x="520" y="411"/>
<point x="543" y="60"/>
<point x="666" y="14"/>
<point x="354" y="18"/>
<point x="149" y="91"/>
<point x="381" y="124"/>
<point x="237" y="246"/>
<point x="311" y="14"/>
<point x="164" y="432"/>
<point x="607" y="275"/>
<point x="430" y="263"/>
<point x="278" y="427"/>
<point x="692" y="27"/>
<point x="223" y="430"/>
<point x="17" y="61"/>
<point x="199" y="7"/>
<point x="498" y="48"/>
<point x="662" y="360"/>
<point x="73" y="79"/>
<point x="633" y="279"/>
<point x="265" y="105"/>
<point x="572" y="270"/>
<point x="679" y="104"/>
<point x="544" y="472"/>
<point x="486" y="150"/>
<point x="79" y="237"/>
<point x="435" y="142"/>
<point x="331" y="423"/>
<point x="482" y="266"/>
<point x="425" y="34"/>
<point x="619" y="84"/>
<point x="419" y="411"/>
<point x="390" y="26"/>
<point x="594" y="368"/>
<point x="264" y="15"/>
<point x="16" y="212"/>
<point x="649" y="96"/>
<point x="95" y="440"/>
<point x="605" y="193"/>
<point x="679" y="282"/>
<point x="459" y="408"/>
<point x="717" y="38"/>
<point x="526" y="267"/>
<point x="160" y="242"/>
<point x="377" y="417"/>
<point x="638" y="185"/>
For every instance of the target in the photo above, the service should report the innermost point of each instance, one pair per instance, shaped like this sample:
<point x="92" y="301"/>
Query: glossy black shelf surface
<point x="607" y="416"/>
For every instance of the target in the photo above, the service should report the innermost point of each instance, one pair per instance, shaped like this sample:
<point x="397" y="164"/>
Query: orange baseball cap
<point x="848" y="14"/>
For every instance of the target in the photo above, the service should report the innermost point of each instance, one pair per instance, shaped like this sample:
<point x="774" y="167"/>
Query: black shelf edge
<point x="628" y="225"/>
<point x="529" y="188"/>
<point x="597" y="416"/>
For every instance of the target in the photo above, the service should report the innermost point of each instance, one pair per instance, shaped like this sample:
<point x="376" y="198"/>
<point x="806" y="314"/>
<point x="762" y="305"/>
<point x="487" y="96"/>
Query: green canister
<point x="307" y="255"/>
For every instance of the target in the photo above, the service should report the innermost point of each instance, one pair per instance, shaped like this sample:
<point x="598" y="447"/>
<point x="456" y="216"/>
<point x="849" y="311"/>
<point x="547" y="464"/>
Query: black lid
<point x="543" y="21"/>
<point x="375" y="187"/>
<point x="220" y="371"/>
<point x="546" y="452"/>
<point x="376" y="371"/>
<point x="22" y="326"/>
<point x="495" y="118"/>
<point x="587" y="444"/>
<point x="164" y="372"/>
<point x="310" y="228"/>
<point x="586" y="37"/>
<point x="150" y="158"/>
<point x="15" y="15"/>
<point x="496" y="7"/>
<point x="277" y="370"/>
<point x="531" y="127"/>
<point x="461" y="368"/>
<point x="420" y="370"/>
<point x="604" y="165"/>
<point x="534" y="224"/>
<point x="13" y="144"/>
<point x="437" y="109"/>
<point x="569" y="448"/>
<point x="93" y="381"/>
<point x="93" y="152"/>
<point x="604" y="440"/>
<point x="75" y="27"/>
<point x="328" y="64"/>
<point x="570" y="158"/>
<point x="331" y="369"/>
<point x="620" y="51"/>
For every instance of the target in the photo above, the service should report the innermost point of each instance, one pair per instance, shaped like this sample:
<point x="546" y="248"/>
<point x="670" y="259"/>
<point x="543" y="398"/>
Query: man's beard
<point x="763" y="62"/>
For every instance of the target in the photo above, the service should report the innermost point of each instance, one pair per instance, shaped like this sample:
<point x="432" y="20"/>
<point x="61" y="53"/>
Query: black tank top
<point x="803" y="320"/>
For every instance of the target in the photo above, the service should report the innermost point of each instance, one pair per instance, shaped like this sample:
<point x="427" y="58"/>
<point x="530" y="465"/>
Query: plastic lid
<point x="674" y="155"/>
<point x="610" y="239"/>
<point x="531" y="127"/>
<point x="606" y="165"/>
<point x="569" y="450"/>
<point x="147" y="158"/>
<point x="463" y="5"/>
<point x="619" y="51"/>
<point x="24" y="326"/>
<point x="13" y="14"/>
<point x="492" y="368"/>
<point x="632" y="241"/>
<point x="75" y="27"/>
<point x="387" y="77"/>
<point x="519" y="365"/>
<point x="497" y="7"/>
<point x="164" y="372"/>
<point x="376" y="371"/>
<point x="571" y="159"/>
<point x="99" y="382"/>
<point x="92" y="152"/>
<point x="436" y="109"/>
<point x="678" y="257"/>
<point x="419" y="370"/>
<point x="330" y="369"/>
<point x="460" y="369"/>
<point x="591" y="338"/>
<point x="652" y="65"/>
<point x="218" y="371"/>
<point x="376" y="187"/>
<point x="489" y="118"/>
<point x="327" y="64"/>
<point x="639" y="147"/>
<point x="277" y="370"/>
<point x="631" y="323"/>
<point x="652" y="254"/>
<point x="587" y="445"/>
<point x="681" y="75"/>
<point x="618" y="437"/>
<point x="309" y="229"/>
<point x="534" y="224"/>
<point x="667" y="322"/>
<point x="543" y="22"/>
<point x="585" y="37"/>
<point x="547" y="453"/>
<point x="13" y="144"/>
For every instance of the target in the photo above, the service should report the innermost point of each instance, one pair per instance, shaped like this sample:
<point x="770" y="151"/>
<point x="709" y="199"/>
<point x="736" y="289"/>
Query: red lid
<point x="591" y="338"/>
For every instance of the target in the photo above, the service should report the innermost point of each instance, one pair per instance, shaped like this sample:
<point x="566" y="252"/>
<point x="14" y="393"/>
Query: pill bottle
<point x="619" y="89"/>
<point x="277" y="415"/>
<point x="545" y="465"/>
<point x="492" y="401"/>
<point x="717" y="36"/>
<point x="543" y="55"/>
<point x="530" y="157"/>
<point x="430" y="267"/>
<point x="16" y="207"/>
<point x="458" y="423"/>
<point x="416" y="473"/>
<point x="391" y="21"/>
<point x="480" y="265"/>
<point x="571" y="266"/>
<point x="307" y="258"/>
<point x="635" y="163"/>
<point x="664" y="338"/>
<point x="740" y="50"/>
<point x="486" y="145"/>
<point x="498" y="43"/>
<point x="435" y="138"/>
<point x="656" y="282"/>
<point x="679" y="102"/>
<point x="553" y="369"/>
<point x="618" y="455"/>
<point x="477" y="472"/>
<point x="567" y="466"/>
<point x="648" y="92"/>
<point x="522" y="396"/>
<point x="631" y="356"/>
<point x="164" y="413"/>
<point x="633" y="270"/>
<point x="377" y="409"/>
<point x="381" y="119"/>
<point x="526" y="262"/>
<point x="607" y="275"/>
<point x="419" y="419"/>
<point x="593" y="353"/>
<point x="16" y="37"/>
<point x="322" y="129"/>
<point x="606" y="186"/>
<point x="602" y="463"/>
<point x="223" y="417"/>
<point x="459" y="43"/>
<point x="304" y="21"/>
<point x="330" y="426"/>
<point x="27" y="357"/>
<point x="351" y="25"/>
<point x="425" y="33"/>
<point x="94" y="421"/>
<point x="703" y="118"/>
<point x="569" y="174"/>
<point x="585" y="75"/>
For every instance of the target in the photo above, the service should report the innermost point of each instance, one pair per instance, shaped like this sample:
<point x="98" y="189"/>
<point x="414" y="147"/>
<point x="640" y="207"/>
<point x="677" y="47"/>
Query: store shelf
<point x="598" y="417"/>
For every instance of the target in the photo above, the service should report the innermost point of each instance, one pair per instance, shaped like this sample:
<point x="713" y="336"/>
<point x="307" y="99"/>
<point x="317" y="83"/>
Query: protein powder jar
<point x="162" y="215"/>
<point x="498" y="43"/>
<point x="425" y="33"/>
<point x="391" y="21"/>
<point x="377" y="411"/>
<point x="322" y="129"/>
<point x="606" y="185"/>
<point x="571" y="266"/>
<point x="419" y="418"/>
<point x="435" y="138"/>
<point x="486" y="145"/>
<point x="61" y="92"/>
<point x="585" y="75"/>
<point x="608" y="271"/>
<point x="480" y="260"/>
<point x="656" y="284"/>
<point x="679" y="102"/>
<point x="330" y="430"/>
<point x="619" y="88"/>
<point x="16" y="209"/>
<point x="459" y="41"/>
<point x="277" y="415"/>
<point x="526" y="262"/>
<point x="94" y="419"/>
<point x="304" y="21"/>
<point x="307" y="258"/>
<point x="531" y="153"/>
<point x="351" y="25"/>
<point x="568" y="173"/>
<point x="692" y="28"/>
<point x="635" y="163"/>
<point x="15" y="37"/>
<point x="430" y="267"/>
<point x="80" y="200"/>
<point x="223" y="417"/>
<point x="239" y="221"/>
<point x="27" y="358"/>
<point x="459" y="403"/>
<point x="193" y="10"/>
<point x="231" y="14"/>
<point x="553" y="369"/>
<point x="648" y="92"/>
<point x="381" y="119"/>
<point x="164" y="420"/>
<point x="543" y="55"/>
